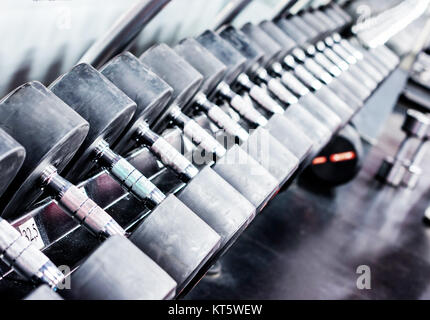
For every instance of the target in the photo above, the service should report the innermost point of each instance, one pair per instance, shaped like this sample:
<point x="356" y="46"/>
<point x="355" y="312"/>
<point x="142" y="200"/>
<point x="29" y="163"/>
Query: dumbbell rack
<point x="66" y="243"/>
<point x="56" y="230"/>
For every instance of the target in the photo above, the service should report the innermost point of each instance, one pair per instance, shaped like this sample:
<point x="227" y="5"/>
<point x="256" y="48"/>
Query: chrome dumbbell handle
<point x="247" y="111"/>
<point x="21" y="255"/>
<point x="259" y="95"/>
<point x="165" y="152"/>
<point x="81" y="208"/>
<point x="304" y="75"/>
<point x="413" y="170"/>
<point x="196" y="133"/>
<point x="290" y="80"/>
<point x="312" y="66"/>
<point x="220" y="118"/>
<point x="276" y="87"/>
<point x="128" y="176"/>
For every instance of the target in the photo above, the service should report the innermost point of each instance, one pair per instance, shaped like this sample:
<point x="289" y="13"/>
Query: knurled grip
<point x="87" y="213"/>
<point x="276" y="87"/>
<point x="222" y="120"/>
<point x="264" y="99"/>
<point x="173" y="159"/>
<point x="136" y="183"/>
<point x="23" y="256"/>
<point x="247" y="111"/>
<point x="203" y="139"/>
<point x="294" y="84"/>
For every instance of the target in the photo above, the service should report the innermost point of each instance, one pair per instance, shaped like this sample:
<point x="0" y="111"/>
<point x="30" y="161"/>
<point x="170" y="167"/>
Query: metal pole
<point x="283" y="8"/>
<point x="123" y="32"/>
<point x="230" y="12"/>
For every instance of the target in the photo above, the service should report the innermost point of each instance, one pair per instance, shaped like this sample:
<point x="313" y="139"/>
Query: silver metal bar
<point x="230" y="12"/>
<point x="123" y="32"/>
<point x="283" y="8"/>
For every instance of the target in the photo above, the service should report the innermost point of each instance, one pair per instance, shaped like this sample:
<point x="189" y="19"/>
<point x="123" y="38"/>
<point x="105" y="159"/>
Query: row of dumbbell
<point x="302" y="94"/>
<point x="404" y="168"/>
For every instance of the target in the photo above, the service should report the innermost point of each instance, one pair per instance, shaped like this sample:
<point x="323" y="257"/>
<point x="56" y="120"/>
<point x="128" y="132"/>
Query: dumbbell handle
<point x="420" y="152"/>
<point x="259" y="95"/>
<point x="302" y="74"/>
<point x="289" y="80"/>
<point x="246" y="110"/>
<point x="78" y="206"/>
<point x="196" y="133"/>
<point x="276" y="87"/>
<point x="165" y="152"/>
<point x="128" y="176"/>
<point x="221" y="119"/>
<point x="403" y="150"/>
<point x="22" y="255"/>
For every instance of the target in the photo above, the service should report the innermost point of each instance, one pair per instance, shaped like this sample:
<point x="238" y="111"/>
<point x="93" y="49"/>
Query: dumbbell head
<point x="315" y="23"/>
<point x="224" y="52"/>
<point x="296" y="34"/>
<point x="118" y="270"/>
<point x="312" y="34"/>
<point x="12" y="155"/>
<point x="279" y="36"/>
<point x="107" y="109"/>
<point x="273" y="50"/>
<point x="150" y="93"/>
<point x="175" y="71"/>
<point x="416" y="124"/>
<point x="241" y="43"/>
<point x="43" y="293"/>
<point x="203" y="61"/>
<point x="50" y="131"/>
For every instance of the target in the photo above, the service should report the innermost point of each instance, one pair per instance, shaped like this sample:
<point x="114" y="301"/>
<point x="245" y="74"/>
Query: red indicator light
<point x="319" y="160"/>
<point x="344" y="156"/>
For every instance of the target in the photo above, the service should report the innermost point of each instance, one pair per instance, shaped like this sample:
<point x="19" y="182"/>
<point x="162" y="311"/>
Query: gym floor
<point x="309" y="241"/>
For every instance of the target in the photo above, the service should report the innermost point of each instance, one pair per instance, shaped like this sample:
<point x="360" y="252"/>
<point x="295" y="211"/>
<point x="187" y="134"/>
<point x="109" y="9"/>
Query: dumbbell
<point x="228" y="55"/>
<point x="330" y="28"/>
<point x="310" y="50"/>
<point x="413" y="170"/>
<point x="86" y="91"/>
<point x="310" y="72"/>
<point x="325" y="29"/>
<point x="207" y="194"/>
<point x="296" y="54"/>
<point x="15" y="250"/>
<point x="51" y="133"/>
<point x="277" y="159"/>
<point x="373" y="66"/>
<point x="213" y="42"/>
<point x="339" y="162"/>
<point x="366" y="81"/>
<point x="392" y="170"/>
<point x="380" y="57"/>
<point x="25" y="259"/>
<point x="174" y="115"/>
<point x="245" y="182"/>
<point x="304" y="120"/>
<point x="43" y="293"/>
<point x="309" y="124"/>
<point x="322" y="97"/>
